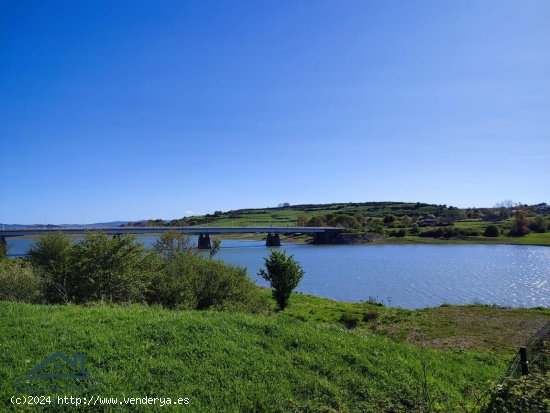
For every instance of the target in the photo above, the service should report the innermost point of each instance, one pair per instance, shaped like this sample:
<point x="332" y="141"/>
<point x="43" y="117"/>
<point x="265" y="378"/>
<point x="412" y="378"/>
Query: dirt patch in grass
<point x="500" y="330"/>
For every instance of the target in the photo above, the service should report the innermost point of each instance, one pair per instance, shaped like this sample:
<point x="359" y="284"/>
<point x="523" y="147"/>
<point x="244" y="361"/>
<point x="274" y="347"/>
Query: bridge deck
<point x="155" y="230"/>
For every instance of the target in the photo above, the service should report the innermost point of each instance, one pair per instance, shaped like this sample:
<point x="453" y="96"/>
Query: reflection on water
<point x="411" y="276"/>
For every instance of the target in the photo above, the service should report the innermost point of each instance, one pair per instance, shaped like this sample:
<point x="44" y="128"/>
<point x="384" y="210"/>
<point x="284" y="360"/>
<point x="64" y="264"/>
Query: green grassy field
<point x="301" y="359"/>
<point x="529" y="239"/>
<point x="287" y="216"/>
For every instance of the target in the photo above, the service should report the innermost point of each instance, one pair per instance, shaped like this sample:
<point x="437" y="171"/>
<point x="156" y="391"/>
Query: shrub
<point x="191" y="281"/>
<point x="524" y="394"/>
<point x="50" y="256"/>
<point x="113" y="269"/>
<point x="435" y="233"/>
<point x="172" y="242"/>
<point x="398" y="233"/>
<point x="491" y="231"/>
<point x="18" y="281"/>
<point x="349" y="320"/>
<point x="537" y="224"/>
<point x="283" y="274"/>
<point x="370" y="316"/>
<point x="468" y="232"/>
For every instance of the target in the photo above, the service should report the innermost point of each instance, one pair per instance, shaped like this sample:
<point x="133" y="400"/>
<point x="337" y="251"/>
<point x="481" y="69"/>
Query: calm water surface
<point x="411" y="276"/>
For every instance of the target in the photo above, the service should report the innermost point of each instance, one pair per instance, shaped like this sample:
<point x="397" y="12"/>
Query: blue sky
<point x="142" y="109"/>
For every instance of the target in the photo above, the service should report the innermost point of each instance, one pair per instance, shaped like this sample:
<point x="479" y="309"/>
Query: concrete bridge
<point x="322" y="235"/>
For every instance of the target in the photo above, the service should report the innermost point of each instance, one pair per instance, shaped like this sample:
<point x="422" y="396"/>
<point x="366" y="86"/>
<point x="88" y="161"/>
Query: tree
<point x="537" y="224"/>
<point x="172" y="242"/>
<point x="453" y="214"/>
<point x="343" y="220"/>
<point x="316" y="221"/>
<point x="519" y="223"/>
<point x="283" y="274"/>
<point x="406" y="221"/>
<point x="215" y="248"/>
<point x="389" y="219"/>
<point x="301" y="220"/>
<point x="491" y="231"/>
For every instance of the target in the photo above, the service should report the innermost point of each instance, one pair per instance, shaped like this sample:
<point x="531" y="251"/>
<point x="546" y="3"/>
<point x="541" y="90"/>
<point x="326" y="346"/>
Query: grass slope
<point x="235" y="362"/>
<point x="456" y="328"/>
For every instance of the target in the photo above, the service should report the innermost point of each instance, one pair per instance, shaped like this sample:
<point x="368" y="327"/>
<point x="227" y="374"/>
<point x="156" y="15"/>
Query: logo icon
<point x="58" y="373"/>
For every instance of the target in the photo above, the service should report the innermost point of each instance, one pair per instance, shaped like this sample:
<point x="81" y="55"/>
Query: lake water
<point x="411" y="276"/>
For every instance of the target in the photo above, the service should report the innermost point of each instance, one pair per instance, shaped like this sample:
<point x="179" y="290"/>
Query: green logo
<point x="58" y="374"/>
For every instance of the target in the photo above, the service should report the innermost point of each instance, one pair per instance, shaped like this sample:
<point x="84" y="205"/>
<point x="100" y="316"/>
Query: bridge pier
<point x="273" y="240"/>
<point x="204" y="242"/>
<point x="3" y="246"/>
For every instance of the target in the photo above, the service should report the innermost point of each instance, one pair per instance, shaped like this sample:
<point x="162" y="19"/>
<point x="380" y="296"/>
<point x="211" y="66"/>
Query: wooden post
<point x="524" y="361"/>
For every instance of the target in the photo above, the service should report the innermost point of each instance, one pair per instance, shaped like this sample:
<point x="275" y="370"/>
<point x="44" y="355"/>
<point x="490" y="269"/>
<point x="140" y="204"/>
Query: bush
<point x="98" y="268"/>
<point x="399" y="233"/>
<point x="172" y="242"/>
<point x="349" y="320"/>
<point x="491" y="231"/>
<point x="434" y="233"/>
<point x="537" y="224"/>
<point x="116" y="269"/>
<point x="370" y="316"/>
<point x="524" y="394"/>
<point x="120" y="269"/>
<point x="191" y="281"/>
<point x="283" y="274"/>
<point x="468" y="232"/>
<point x="50" y="256"/>
<point x="18" y="281"/>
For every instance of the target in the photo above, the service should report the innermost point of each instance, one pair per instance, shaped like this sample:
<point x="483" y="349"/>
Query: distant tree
<point x="519" y="222"/>
<point x="316" y="221"/>
<point x="343" y="220"/>
<point x="406" y="221"/>
<point x="283" y="273"/>
<point x="301" y="220"/>
<point x="491" y="231"/>
<point x="283" y="205"/>
<point x="172" y="242"/>
<point x="215" y="248"/>
<point x="537" y="224"/>
<point x="389" y="219"/>
<point x="217" y="213"/>
<point x="375" y="226"/>
<point x="453" y="214"/>
<point x="507" y="203"/>
<point x="360" y="218"/>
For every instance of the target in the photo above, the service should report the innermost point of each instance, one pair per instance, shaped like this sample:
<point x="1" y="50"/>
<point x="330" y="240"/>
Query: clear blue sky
<point x="143" y="109"/>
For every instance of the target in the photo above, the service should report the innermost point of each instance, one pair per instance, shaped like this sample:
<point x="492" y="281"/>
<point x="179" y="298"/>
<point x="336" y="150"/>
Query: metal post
<point x="524" y="361"/>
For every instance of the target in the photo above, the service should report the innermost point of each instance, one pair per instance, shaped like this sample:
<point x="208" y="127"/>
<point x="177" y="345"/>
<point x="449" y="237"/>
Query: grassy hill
<point x="399" y="222"/>
<point x="302" y="359"/>
<point x="287" y="215"/>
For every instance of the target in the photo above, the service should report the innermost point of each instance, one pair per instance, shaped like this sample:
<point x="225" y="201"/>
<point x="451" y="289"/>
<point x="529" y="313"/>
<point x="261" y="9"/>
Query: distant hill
<point x="288" y="215"/>
<point x="95" y="225"/>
